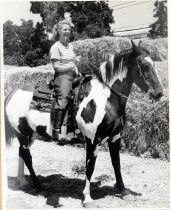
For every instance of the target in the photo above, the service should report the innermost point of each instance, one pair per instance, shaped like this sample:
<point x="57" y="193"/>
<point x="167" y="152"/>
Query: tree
<point x="25" y="44"/>
<point x="10" y="38"/>
<point x="25" y="35"/>
<point x="159" y="27"/>
<point x="91" y="19"/>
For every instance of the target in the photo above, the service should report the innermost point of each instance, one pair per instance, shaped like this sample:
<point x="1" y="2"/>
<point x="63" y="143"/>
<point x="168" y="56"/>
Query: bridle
<point x="89" y="64"/>
<point x="91" y="71"/>
<point x="139" y="69"/>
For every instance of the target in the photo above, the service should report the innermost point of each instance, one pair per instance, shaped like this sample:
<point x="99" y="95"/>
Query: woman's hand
<point x="58" y="66"/>
<point x="77" y="60"/>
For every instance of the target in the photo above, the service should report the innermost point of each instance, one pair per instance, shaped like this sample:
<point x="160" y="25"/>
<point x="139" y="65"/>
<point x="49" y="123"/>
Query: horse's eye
<point x="145" y="67"/>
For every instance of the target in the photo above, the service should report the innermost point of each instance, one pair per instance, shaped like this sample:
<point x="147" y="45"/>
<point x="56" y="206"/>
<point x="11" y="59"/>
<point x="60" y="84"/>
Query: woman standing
<point x="64" y="62"/>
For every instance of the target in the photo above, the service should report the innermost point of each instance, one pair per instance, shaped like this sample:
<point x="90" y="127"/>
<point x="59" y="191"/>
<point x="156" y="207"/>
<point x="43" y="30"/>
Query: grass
<point x="78" y="167"/>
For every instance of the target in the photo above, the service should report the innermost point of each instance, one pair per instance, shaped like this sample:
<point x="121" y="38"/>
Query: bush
<point x="93" y="51"/>
<point x="33" y="58"/>
<point x="11" y="60"/>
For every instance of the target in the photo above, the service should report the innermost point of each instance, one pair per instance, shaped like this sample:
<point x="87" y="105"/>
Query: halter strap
<point x="139" y="68"/>
<point x="121" y="94"/>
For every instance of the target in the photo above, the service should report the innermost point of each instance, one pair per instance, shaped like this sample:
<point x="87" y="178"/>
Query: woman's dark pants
<point x="63" y="93"/>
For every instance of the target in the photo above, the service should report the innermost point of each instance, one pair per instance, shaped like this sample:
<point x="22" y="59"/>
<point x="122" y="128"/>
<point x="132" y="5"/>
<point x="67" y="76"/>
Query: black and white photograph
<point x="85" y="101"/>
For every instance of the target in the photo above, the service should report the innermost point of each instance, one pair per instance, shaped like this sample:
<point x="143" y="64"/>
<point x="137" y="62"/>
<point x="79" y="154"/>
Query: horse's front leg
<point x="91" y="155"/>
<point x="114" y="148"/>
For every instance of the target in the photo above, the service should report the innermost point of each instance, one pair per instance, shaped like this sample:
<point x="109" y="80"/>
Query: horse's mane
<point x="114" y="66"/>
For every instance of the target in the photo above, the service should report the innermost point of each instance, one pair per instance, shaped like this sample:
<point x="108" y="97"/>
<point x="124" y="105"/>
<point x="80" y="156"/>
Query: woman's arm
<point x="58" y="66"/>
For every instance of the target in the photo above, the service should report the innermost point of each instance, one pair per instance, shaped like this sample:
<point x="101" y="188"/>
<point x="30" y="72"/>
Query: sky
<point x="126" y="15"/>
<point x="132" y="14"/>
<point x="17" y="10"/>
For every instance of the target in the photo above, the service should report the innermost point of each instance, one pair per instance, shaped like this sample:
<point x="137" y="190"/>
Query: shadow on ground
<point x="56" y="186"/>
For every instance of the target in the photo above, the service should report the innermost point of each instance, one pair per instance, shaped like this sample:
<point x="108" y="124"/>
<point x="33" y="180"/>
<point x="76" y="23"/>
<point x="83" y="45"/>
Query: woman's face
<point x="64" y="32"/>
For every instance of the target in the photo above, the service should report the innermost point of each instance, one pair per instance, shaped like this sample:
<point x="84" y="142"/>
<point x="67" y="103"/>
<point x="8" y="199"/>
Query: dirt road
<point x="147" y="179"/>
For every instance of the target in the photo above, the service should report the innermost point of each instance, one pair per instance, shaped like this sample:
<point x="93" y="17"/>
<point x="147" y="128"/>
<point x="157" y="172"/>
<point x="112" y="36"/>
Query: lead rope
<point x="88" y="62"/>
<point x="124" y="96"/>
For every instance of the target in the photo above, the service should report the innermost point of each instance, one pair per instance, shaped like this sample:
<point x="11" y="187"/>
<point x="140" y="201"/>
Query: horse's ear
<point x="139" y="45"/>
<point x="133" y="44"/>
<point x="135" y="48"/>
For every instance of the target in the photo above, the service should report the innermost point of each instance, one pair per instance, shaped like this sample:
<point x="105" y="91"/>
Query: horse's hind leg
<point x="20" y="176"/>
<point x="25" y="157"/>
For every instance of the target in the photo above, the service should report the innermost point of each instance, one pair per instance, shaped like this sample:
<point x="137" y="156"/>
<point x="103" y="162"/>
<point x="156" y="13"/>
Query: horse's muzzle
<point x="157" y="96"/>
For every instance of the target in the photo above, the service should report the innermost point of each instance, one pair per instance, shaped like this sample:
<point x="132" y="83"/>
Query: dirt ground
<point x="146" y="179"/>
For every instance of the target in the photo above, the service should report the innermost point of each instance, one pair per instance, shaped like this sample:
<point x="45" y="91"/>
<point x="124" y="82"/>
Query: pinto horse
<point x="100" y="116"/>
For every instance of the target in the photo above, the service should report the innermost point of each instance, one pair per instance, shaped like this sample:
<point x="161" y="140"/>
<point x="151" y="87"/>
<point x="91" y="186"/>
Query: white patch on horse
<point x="105" y="139"/>
<point x="116" y="137"/>
<point x="148" y="59"/>
<point x="103" y="67"/>
<point x="112" y="61"/>
<point x="120" y="75"/>
<point x="99" y="94"/>
<point x="18" y="106"/>
<point x="96" y="150"/>
<point x="37" y="118"/>
<point x="103" y="71"/>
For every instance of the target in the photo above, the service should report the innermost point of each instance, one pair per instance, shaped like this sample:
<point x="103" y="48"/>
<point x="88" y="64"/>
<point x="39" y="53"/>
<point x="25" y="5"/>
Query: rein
<point x="120" y="94"/>
<point x="87" y="63"/>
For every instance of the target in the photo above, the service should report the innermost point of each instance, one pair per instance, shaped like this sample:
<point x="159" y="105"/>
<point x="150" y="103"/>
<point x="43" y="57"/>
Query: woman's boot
<point x="57" y="123"/>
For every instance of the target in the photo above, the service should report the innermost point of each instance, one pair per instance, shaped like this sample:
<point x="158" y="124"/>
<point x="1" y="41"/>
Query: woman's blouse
<point x="64" y="54"/>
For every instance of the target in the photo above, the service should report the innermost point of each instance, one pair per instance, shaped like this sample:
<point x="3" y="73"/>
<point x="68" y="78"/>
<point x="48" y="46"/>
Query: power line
<point x="131" y="29"/>
<point x="131" y="5"/>
<point x="122" y="4"/>
<point x="133" y="26"/>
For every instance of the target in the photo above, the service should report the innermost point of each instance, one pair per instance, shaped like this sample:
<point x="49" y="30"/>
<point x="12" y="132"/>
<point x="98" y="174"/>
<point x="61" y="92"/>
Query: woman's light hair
<point x="67" y="20"/>
<point x="62" y="22"/>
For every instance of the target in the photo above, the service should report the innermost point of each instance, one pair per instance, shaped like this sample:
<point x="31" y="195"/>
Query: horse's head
<point x="145" y="75"/>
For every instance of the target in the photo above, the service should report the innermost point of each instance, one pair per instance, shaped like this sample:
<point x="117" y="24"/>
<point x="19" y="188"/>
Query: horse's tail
<point x="9" y="131"/>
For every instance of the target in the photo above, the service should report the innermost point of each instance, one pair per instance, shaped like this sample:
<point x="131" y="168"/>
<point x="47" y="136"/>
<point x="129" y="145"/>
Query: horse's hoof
<point x="90" y="205"/>
<point x="121" y="192"/>
<point x="118" y="191"/>
<point x="125" y="192"/>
